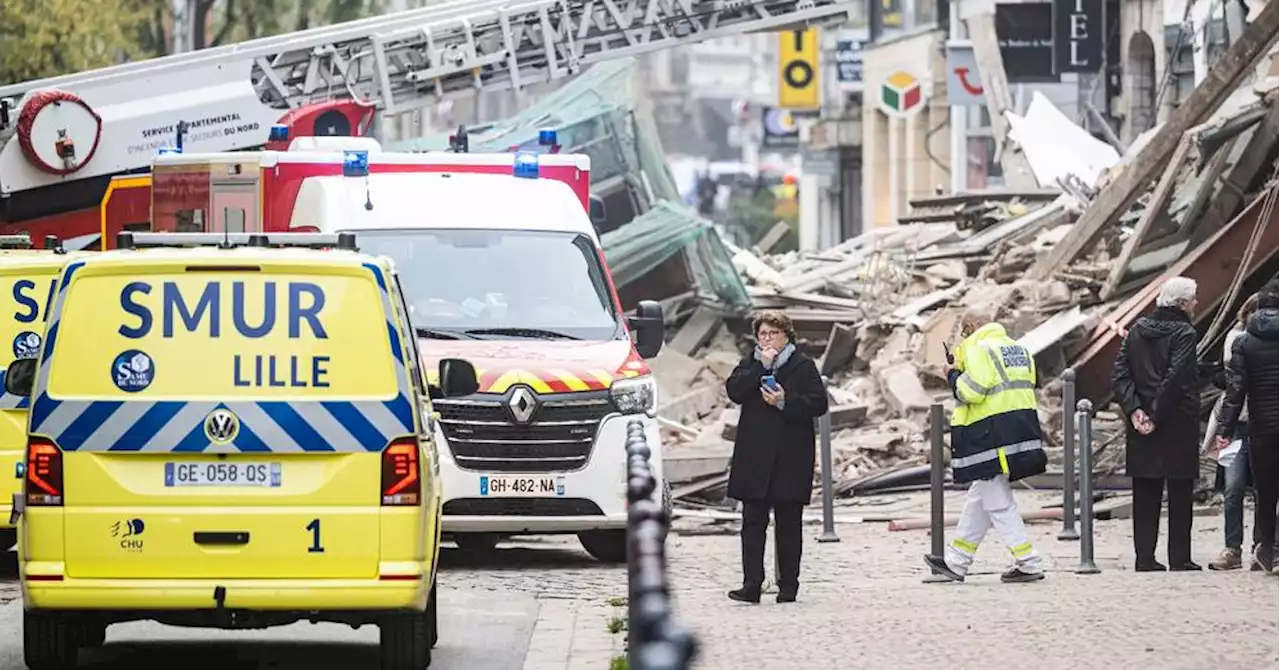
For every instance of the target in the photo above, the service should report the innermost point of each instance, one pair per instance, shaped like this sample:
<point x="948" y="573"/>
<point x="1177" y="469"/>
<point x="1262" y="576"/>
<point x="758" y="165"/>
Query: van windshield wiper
<point x="534" y="333"/>
<point x="440" y="334"/>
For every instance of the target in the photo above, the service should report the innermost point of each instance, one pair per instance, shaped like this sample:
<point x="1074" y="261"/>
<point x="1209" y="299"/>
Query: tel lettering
<point x="304" y="300"/>
<point x="22" y="296"/>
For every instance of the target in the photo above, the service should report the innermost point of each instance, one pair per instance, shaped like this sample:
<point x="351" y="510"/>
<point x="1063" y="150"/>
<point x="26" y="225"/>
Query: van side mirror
<point x="19" y="377"/>
<point x="648" y="326"/>
<point x="597" y="210"/>
<point x="457" y="378"/>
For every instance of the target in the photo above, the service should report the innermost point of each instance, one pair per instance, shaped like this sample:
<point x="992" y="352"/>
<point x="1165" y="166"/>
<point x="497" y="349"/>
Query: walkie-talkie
<point x="951" y="360"/>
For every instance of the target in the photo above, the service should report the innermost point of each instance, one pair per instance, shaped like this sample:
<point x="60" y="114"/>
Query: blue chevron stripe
<point x="146" y="427"/>
<point x="265" y="426"/>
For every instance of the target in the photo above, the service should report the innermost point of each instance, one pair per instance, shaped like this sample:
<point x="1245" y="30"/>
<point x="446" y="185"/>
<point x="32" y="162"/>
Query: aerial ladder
<point x="60" y="132"/>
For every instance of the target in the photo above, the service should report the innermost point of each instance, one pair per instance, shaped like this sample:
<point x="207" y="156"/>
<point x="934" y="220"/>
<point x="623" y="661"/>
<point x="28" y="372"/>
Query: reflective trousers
<point x="990" y="504"/>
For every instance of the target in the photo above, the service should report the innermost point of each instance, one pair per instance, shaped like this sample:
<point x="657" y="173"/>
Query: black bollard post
<point x="828" y="486"/>
<point x="937" y="478"/>
<point x="1084" y="419"/>
<point x="1068" y="531"/>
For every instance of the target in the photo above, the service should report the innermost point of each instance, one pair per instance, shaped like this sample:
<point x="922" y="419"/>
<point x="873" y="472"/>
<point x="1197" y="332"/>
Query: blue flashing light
<point x="355" y="163"/>
<point x="547" y="138"/>
<point x="164" y="151"/>
<point x="526" y="165"/>
<point x="279" y="133"/>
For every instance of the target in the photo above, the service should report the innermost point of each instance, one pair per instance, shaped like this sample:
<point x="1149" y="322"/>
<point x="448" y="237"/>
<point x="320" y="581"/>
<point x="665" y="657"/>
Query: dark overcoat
<point x="1156" y="372"/>
<point x="773" y="451"/>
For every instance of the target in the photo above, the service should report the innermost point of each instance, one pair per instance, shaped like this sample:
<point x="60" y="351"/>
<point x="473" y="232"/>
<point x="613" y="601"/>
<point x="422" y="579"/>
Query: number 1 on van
<point x="315" y="547"/>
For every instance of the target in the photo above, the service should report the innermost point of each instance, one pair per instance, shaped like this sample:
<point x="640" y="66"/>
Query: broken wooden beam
<point x="980" y="18"/>
<point x="1224" y="205"/>
<point x="1116" y="197"/>
<point x="1155" y="208"/>
<point x="696" y="332"/>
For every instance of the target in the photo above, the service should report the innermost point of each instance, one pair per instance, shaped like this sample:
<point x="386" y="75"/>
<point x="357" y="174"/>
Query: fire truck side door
<point x="235" y="207"/>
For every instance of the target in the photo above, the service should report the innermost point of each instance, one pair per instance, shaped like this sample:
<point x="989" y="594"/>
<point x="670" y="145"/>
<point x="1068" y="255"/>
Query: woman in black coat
<point x="1155" y="381"/>
<point x="772" y="466"/>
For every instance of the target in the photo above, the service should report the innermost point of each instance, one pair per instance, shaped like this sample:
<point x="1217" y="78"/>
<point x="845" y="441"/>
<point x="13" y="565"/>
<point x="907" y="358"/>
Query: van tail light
<point x="401" y="478"/>
<point x="44" y="473"/>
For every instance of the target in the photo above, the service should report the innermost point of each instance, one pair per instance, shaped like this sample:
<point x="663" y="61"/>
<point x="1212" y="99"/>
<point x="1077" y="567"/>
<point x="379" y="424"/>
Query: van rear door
<point x="222" y="424"/>
<point x="28" y="284"/>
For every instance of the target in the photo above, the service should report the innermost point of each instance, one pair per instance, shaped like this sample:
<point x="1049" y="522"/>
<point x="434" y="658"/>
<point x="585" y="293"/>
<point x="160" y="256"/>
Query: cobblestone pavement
<point x="863" y="598"/>
<point x="863" y="603"/>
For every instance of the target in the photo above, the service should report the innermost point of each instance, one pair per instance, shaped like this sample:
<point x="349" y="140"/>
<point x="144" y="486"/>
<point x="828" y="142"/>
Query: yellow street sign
<point x="798" y="69"/>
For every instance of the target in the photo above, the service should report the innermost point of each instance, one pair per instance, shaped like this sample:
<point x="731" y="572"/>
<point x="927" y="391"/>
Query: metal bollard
<point x="1084" y="424"/>
<point x="937" y="477"/>
<point x="828" y="487"/>
<point x="1068" y="531"/>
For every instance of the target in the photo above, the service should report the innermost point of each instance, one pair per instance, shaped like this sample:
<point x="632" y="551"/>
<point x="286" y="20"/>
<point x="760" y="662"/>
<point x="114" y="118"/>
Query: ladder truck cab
<point x="278" y="191"/>
<point x="499" y="262"/>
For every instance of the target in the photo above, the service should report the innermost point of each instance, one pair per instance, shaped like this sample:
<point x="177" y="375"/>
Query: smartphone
<point x="769" y="382"/>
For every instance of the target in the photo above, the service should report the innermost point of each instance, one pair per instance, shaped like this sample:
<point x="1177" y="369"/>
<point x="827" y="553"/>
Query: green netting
<point x="664" y="231"/>
<point x="596" y="114"/>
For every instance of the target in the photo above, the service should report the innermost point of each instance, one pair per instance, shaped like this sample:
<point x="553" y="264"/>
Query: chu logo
<point x="132" y="371"/>
<point x="26" y="345"/>
<point x="127" y="531"/>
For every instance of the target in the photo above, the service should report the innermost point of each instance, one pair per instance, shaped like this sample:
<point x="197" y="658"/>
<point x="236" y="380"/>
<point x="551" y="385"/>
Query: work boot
<point x="746" y="594"/>
<point x="1017" y="576"/>
<point x="939" y="566"/>
<point x="1228" y="559"/>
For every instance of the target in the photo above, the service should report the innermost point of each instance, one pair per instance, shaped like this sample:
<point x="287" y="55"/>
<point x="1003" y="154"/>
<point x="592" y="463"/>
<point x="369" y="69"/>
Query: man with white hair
<point x="1154" y="380"/>
<point x="995" y="439"/>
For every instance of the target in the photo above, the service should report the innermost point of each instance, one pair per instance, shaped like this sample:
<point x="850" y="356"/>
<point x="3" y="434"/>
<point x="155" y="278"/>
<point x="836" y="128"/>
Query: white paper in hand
<point x="1228" y="454"/>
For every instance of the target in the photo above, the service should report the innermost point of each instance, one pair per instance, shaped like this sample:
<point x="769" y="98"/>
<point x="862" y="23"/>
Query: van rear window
<point x="22" y="324"/>
<point x="216" y="335"/>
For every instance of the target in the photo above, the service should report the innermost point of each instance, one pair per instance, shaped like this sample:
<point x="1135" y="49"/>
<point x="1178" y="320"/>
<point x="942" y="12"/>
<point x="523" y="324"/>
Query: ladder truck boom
<point x="113" y="120"/>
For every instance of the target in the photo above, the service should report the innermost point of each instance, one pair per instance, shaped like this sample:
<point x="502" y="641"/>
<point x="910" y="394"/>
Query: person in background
<point x="1254" y="373"/>
<point x="706" y="193"/>
<point x="781" y="393"/>
<point x="1155" y="381"/>
<point x="996" y="439"/>
<point x="1236" y="473"/>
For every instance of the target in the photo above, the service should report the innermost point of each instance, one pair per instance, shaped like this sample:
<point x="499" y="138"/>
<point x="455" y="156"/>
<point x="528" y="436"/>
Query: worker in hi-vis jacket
<point x="995" y="439"/>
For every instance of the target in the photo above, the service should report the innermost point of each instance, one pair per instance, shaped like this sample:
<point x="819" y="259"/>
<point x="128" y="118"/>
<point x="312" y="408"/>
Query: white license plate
<point x="222" y="473"/>
<point x="521" y="485"/>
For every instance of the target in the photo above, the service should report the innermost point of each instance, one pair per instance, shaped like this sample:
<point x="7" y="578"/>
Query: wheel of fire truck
<point x="58" y="132"/>
<point x="476" y="543"/>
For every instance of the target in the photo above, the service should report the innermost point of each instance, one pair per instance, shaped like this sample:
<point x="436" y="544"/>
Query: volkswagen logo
<point x="221" y="426"/>
<point x="522" y="404"/>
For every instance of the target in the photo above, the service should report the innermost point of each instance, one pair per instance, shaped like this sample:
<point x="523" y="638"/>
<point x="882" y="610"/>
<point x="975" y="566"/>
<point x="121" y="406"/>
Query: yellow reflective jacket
<point x="994" y="429"/>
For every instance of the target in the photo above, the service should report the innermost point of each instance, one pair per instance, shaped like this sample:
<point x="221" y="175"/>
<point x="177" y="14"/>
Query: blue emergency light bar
<point x="526" y="165"/>
<point x="279" y="133"/>
<point x="164" y="151"/>
<point x="355" y="163"/>
<point x="547" y="138"/>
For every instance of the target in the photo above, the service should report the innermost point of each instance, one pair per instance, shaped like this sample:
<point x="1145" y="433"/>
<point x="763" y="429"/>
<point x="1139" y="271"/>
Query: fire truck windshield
<point x="500" y="284"/>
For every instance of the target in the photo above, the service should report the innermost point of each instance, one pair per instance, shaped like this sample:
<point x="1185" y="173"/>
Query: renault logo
<point x="522" y="404"/>
<point x="221" y="426"/>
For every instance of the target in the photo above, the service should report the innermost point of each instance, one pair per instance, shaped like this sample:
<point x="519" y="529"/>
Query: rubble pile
<point x="875" y="313"/>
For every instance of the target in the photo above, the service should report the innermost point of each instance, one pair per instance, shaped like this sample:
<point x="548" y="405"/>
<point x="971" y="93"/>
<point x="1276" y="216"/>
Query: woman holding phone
<point x="781" y="393"/>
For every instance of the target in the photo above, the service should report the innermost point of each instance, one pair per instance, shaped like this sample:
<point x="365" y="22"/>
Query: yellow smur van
<point x="27" y="277"/>
<point x="231" y="436"/>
